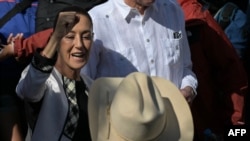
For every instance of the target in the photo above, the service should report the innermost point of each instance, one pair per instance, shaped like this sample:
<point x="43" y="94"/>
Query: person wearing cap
<point x="52" y="86"/>
<point x="138" y="107"/>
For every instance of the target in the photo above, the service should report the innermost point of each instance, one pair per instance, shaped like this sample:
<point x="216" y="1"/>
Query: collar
<point x="126" y="10"/>
<point x="57" y="75"/>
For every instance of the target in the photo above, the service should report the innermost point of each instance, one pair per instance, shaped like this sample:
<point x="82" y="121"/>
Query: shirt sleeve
<point x="26" y="47"/>
<point x="189" y="77"/>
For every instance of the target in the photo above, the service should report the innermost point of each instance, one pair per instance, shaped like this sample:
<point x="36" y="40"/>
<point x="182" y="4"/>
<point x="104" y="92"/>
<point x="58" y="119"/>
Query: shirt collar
<point x="125" y="9"/>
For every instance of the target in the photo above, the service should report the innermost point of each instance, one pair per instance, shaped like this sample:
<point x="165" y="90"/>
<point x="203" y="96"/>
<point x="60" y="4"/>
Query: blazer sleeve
<point x="33" y="82"/>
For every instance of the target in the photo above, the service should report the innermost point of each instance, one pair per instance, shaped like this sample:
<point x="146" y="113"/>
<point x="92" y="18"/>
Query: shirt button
<point x="148" y="40"/>
<point x="47" y="19"/>
<point x="107" y="16"/>
<point x="51" y="1"/>
<point x="152" y="61"/>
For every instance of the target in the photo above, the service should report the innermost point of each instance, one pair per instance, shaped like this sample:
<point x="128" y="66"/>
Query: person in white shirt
<point x="141" y="35"/>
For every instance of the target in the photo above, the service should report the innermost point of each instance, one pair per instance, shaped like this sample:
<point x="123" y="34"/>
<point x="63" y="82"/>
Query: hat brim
<point x="179" y="125"/>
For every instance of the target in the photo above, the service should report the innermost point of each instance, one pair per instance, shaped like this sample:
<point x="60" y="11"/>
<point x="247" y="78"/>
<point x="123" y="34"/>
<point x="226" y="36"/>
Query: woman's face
<point x="75" y="46"/>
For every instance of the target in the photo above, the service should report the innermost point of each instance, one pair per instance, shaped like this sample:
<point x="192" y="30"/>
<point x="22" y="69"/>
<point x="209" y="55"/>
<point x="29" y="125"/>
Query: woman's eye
<point x="87" y="37"/>
<point x="70" y="37"/>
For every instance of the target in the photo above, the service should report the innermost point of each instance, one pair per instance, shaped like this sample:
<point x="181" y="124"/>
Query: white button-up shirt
<point x="154" y="43"/>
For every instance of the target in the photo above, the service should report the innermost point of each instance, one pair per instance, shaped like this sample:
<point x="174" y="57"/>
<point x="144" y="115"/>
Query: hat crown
<point x="138" y="111"/>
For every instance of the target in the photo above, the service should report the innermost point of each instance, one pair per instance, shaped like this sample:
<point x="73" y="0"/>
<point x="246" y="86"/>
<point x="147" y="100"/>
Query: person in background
<point x="220" y="73"/>
<point x="138" y="36"/>
<point x="12" y="118"/>
<point x="214" y="5"/>
<point x="52" y="84"/>
<point x="238" y="32"/>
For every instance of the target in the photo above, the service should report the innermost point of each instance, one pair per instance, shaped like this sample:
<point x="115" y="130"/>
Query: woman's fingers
<point x="10" y="38"/>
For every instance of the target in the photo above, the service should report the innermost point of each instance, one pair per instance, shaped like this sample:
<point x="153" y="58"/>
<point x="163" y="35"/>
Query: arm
<point x="33" y="83"/>
<point x="26" y="47"/>
<point x="189" y="82"/>
<point x="23" y="48"/>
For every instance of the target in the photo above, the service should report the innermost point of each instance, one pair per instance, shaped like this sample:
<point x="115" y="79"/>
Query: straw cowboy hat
<point x="138" y="108"/>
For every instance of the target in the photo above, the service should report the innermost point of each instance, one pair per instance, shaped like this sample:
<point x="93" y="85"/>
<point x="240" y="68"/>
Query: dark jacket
<point x="220" y="73"/>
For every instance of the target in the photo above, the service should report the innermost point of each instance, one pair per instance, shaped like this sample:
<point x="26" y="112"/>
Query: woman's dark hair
<point x="76" y="9"/>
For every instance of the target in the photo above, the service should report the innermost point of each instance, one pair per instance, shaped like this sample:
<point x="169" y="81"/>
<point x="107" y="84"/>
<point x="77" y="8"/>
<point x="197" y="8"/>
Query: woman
<point x="59" y="108"/>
